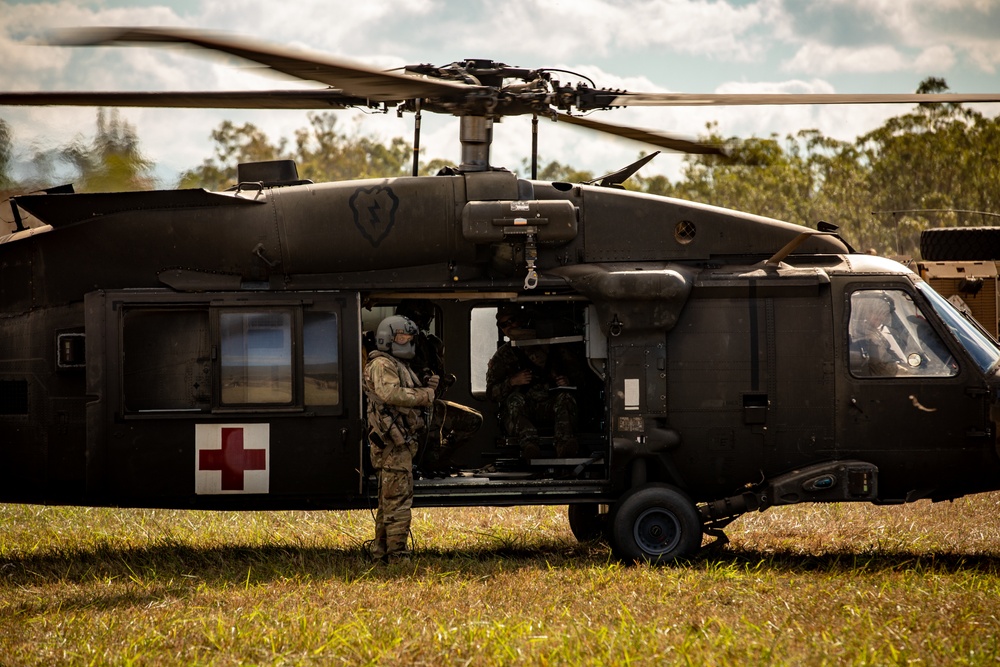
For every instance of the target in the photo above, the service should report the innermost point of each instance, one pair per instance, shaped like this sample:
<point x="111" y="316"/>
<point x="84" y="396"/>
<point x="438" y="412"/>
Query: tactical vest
<point x="392" y="423"/>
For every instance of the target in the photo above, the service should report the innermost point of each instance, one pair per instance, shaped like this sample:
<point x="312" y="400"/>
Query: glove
<point x="433" y="381"/>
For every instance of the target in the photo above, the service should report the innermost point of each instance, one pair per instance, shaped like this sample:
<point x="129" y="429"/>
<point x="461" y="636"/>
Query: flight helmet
<point x="396" y="335"/>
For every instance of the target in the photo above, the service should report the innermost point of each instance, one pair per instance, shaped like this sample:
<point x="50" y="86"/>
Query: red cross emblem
<point x="231" y="458"/>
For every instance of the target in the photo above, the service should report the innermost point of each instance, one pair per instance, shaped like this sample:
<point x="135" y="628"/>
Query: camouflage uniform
<point x="523" y="406"/>
<point x="395" y="422"/>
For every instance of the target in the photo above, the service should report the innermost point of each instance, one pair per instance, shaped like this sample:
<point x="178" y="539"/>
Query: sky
<point x="692" y="46"/>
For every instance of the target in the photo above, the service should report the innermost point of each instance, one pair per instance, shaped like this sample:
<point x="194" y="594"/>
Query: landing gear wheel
<point x="656" y="524"/>
<point x="587" y="522"/>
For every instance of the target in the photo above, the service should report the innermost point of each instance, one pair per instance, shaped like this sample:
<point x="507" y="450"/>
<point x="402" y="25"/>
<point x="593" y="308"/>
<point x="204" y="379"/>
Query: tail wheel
<point x="657" y="524"/>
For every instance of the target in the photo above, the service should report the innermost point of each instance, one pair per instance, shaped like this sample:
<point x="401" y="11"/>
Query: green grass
<point x="815" y="585"/>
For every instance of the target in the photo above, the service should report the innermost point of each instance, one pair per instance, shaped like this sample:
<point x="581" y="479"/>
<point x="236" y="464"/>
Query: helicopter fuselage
<point x="204" y="350"/>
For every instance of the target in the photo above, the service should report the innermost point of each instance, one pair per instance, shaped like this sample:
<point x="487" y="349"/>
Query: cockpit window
<point x="980" y="346"/>
<point x="889" y="336"/>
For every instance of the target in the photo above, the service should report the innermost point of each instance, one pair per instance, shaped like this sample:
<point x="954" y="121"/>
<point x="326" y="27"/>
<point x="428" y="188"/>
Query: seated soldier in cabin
<point x="533" y="384"/>
<point x="451" y="424"/>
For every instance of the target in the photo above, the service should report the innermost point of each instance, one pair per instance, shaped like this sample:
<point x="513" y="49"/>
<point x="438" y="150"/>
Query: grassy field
<point x="814" y="585"/>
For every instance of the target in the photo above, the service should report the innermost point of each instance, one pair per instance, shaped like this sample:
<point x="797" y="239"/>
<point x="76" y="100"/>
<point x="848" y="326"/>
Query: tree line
<point x="935" y="165"/>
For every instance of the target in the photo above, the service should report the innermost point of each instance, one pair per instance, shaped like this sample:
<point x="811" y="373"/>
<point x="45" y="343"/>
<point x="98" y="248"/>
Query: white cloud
<point x="985" y="56"/>
<point x="716" y="29"/>
<point x="30" y="63"/>
<point x="935" y="59"/>
<point x="599" y="28"/>
<point x="824" y="60"/>
<point x="911" y="34"/>
<point x="312" y="24"/>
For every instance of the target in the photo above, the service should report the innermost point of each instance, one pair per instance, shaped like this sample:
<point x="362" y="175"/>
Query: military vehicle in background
<point x="961" y="264"/>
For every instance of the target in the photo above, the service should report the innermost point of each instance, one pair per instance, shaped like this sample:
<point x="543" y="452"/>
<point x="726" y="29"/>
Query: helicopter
<point x="204" y="350"/>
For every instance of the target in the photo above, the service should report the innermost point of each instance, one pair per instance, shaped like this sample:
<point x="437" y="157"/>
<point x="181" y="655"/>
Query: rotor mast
<point x="476" y="135"/>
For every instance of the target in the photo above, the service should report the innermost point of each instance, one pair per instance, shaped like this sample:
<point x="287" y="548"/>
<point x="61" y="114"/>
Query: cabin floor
<point x="506" y="466"/>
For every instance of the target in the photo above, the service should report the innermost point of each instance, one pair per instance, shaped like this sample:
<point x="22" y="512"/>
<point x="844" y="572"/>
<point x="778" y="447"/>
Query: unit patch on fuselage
<point x="374" y="212"/>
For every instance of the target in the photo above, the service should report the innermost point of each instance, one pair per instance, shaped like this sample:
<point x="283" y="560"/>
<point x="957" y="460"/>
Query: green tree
<point x="657" y="184"/>
<point x="113" y="161"/>
<point x="324" y="153"/>
<point x="233" y="144"/>
<point x="556" y="171"/>
<point x="842" y="196"/>
<point x="434" y="166"/>
<point x="932" y="167"/>
<point x="761" y="176"/>
<point x="321" y="152"/>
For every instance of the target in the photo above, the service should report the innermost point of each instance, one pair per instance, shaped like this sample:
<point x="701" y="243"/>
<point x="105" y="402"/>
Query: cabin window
<point x="890" y="337"/>
<point x="166" y="360"/>
<point x="256" y="357"/>
<point x="320" y="355"/>
<point x="196" y="358"/>
<point x="544" y="323"/>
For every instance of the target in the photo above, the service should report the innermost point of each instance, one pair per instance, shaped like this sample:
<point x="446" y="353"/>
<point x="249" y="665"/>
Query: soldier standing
<point x="396" y="420"/>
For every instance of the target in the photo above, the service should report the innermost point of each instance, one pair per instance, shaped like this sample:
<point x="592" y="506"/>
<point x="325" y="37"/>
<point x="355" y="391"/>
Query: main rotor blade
<point x="352" y="78"/>
<point x="235" y="99"/>
<point x="748" y="99"/>
<point x="645" y="136"/>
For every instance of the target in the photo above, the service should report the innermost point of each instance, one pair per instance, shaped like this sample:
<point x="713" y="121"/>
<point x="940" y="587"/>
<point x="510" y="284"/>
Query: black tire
<point x="587" y="522"/>
<point x="655" y="524"/>
<point x="960" y="244"/>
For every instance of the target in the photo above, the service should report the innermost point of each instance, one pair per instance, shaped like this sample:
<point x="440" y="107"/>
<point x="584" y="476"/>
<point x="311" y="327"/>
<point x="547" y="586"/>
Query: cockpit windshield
<point x="980" y="346"/>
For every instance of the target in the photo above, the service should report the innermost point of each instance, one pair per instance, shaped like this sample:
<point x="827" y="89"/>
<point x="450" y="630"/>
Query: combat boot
<point x="398" y="558"/>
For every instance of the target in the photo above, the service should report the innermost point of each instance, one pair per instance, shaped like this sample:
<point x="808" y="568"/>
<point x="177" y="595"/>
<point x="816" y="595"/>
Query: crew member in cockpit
<point x="869" y="316"/>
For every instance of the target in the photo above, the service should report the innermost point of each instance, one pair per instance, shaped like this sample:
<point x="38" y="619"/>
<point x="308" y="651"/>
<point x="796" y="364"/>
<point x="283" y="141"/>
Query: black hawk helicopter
<point x="194" y="349"/>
